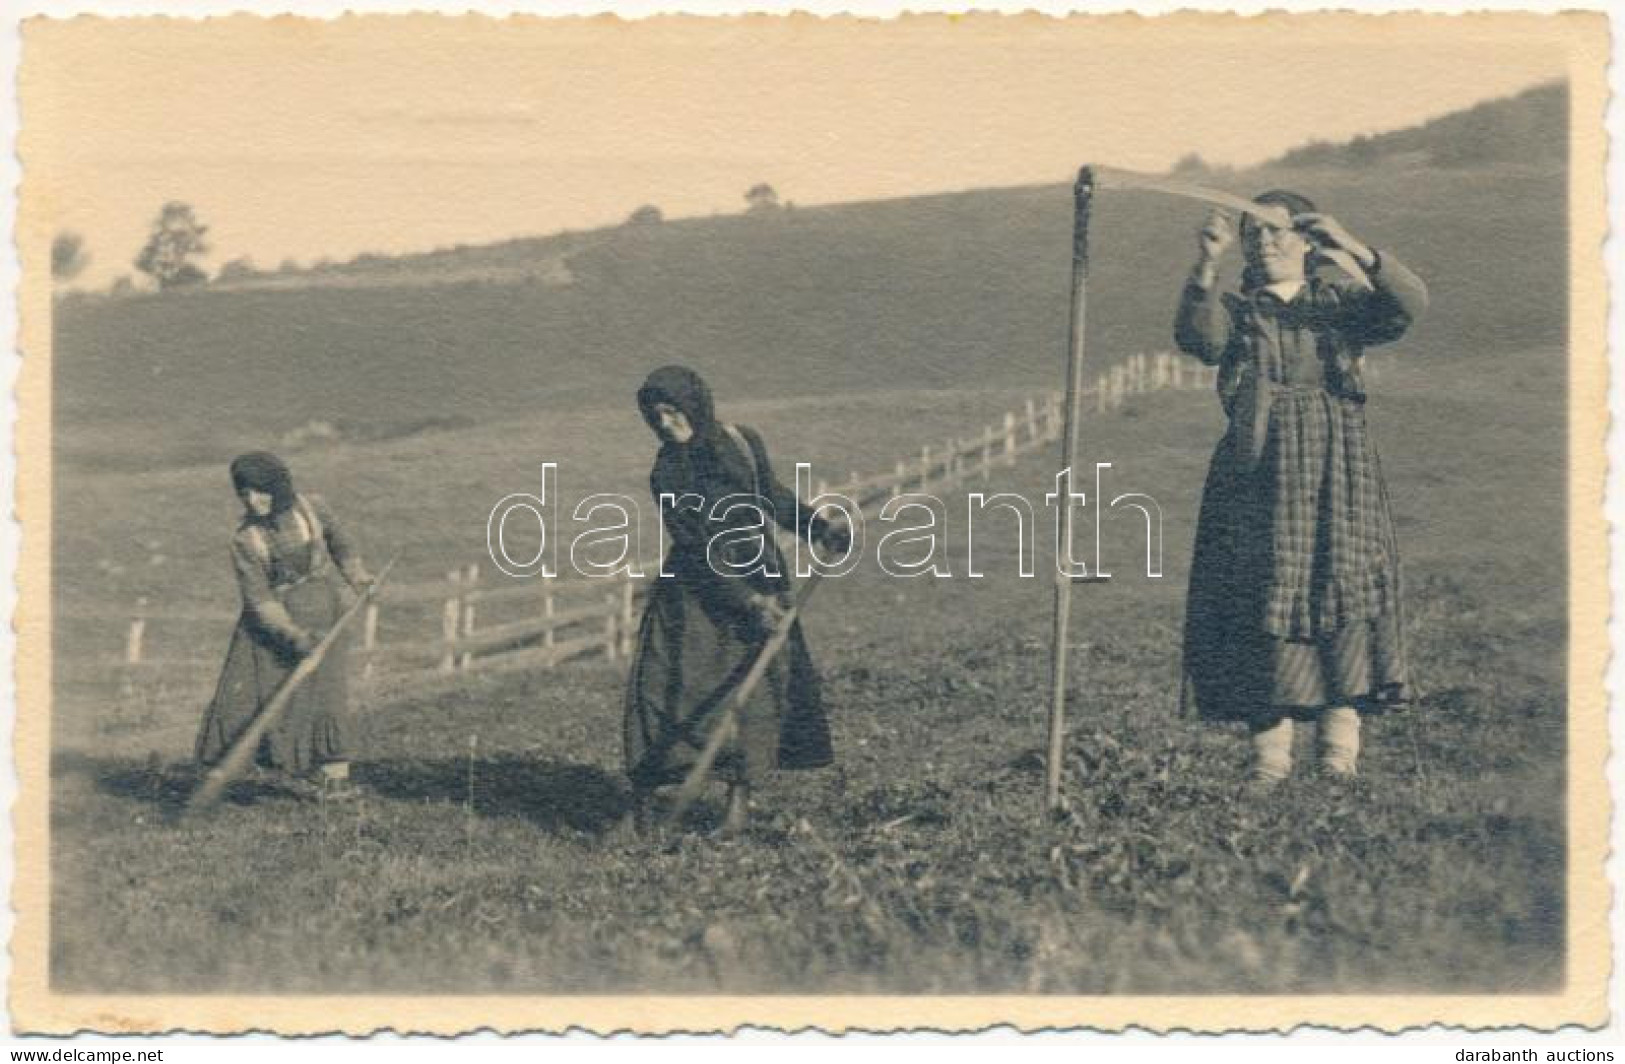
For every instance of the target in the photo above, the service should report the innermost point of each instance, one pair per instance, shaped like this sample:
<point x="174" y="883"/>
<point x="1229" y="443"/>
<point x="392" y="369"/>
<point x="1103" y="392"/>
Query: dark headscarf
<point x="1252" y="275"/>
<point x="709" y="458"/>
<point x="263" y="471"/>
<point x="682" y="388"/>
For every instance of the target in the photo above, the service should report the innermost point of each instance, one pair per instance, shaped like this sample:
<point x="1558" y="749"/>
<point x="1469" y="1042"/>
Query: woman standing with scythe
<point x="1294" y="610"/>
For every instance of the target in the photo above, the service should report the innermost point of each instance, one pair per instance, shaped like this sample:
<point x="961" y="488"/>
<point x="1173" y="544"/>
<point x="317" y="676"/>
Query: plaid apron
<point x="1295" y="593"/>
<point x="1331" y="558"/>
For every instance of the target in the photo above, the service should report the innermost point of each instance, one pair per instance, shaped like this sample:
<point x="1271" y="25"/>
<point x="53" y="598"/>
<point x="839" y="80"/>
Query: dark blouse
<point x="713" y="470"/>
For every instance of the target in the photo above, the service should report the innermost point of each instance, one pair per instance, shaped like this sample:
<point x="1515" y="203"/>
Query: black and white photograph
<point x="548" y="522"/>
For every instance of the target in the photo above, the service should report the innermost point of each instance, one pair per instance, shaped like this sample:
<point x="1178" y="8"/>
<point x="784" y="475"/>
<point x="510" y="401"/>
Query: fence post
<point x="925" y="466"/>
<point x="369" y="638"/>
<point x="547" y="613"/>
<point x="471" y="577"/>
<point x="901" y="473"/>
<point x="1032" y="422"/>
<point x="1009" y="437"/>
<point x="612" y="634"/>
<point x="450" y="615"/>
<point x="137" y="633"/>
<point x="132" y="647"/>
<point x="628" y="625"/>
<point x="987" y="452"/>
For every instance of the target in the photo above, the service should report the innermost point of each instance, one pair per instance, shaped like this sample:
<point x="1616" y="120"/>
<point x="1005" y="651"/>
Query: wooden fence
<point x="544" y="623"/>
<point x="540" y="624"/>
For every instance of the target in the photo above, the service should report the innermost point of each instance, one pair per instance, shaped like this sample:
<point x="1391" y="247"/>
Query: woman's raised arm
<point x="1202" y="324"/>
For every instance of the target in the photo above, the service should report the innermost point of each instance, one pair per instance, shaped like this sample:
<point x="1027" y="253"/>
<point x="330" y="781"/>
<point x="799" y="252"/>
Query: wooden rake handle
<point x="242" y="751"/>
<point x="725" y="727"/>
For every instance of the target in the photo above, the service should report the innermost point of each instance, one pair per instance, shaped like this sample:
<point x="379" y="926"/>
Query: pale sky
<point x="299" y="139"/>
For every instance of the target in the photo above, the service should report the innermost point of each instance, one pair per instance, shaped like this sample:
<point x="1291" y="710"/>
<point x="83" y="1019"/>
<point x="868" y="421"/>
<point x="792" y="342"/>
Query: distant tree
<point x="1314" y="153"/>
<point x="1363" y="151"/>
<point x="648" y="214"/>
<point x="1530" y="126"/>
<point x="1190" y="163"/>
<point x="176" y="241"/>
<point x="68" y="256"/>
<point x="288" y="266"/>
<point x="123" y="285"/>
<point x="237" y="270"/>
<point x="1476" y="137"/>
<point x="761" y="198"/>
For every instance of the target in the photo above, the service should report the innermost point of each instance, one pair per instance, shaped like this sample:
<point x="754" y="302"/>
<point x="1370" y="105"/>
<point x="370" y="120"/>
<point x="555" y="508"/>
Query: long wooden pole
<point x="723" y="730"/>
<point x="1082" y="194"/>
<point x="242" y="751"/>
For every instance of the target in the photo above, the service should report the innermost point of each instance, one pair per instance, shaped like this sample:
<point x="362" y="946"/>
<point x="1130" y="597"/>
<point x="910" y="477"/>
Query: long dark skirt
<point x="316" y="727"/>
<point x="687" y="665"/>
<point x="1295" y="590"/>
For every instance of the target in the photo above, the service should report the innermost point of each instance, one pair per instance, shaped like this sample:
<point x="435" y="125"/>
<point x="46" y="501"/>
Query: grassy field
<point x="491" y="851"/>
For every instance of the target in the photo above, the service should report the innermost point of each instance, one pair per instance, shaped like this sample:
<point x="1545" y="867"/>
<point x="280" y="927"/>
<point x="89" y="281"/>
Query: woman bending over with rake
<point x="285" y="554"/>
<point x="725" y="595"/>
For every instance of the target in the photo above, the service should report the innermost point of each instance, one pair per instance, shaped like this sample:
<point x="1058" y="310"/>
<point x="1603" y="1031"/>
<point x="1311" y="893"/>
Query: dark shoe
<point x="735" y="820"/>
<point x="1337" y="778"/>
<point x="1337" y="769"/>
<point x="305" y="790"/>
<point x="339" y="791"/>
<point x="1259" y="786"/>
<point x="645" y="818"/>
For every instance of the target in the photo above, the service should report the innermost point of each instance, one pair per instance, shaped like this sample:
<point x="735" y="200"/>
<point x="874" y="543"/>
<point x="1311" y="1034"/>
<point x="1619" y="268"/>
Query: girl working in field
<point x="285" y="553"/>
<point x="1294" y="604"/>
<point x="706" y="620"/>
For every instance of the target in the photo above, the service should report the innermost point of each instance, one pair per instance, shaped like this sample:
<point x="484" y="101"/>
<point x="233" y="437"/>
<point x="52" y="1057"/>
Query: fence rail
<point x="598" y="617"/>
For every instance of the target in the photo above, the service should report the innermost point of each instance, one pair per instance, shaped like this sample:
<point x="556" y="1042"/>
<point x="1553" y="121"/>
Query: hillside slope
<point x="943" y="291"/>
